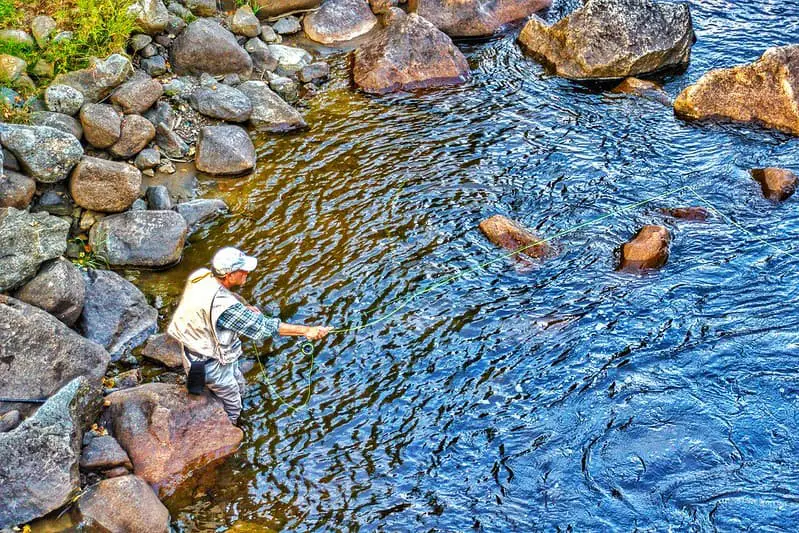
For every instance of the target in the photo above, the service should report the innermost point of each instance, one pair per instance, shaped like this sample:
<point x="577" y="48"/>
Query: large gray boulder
<point x="408" y="53"/>
<point x="123" y="504"/>
<point x="224" y="150"/>
<point x="40" y="354"/>
<point x="16" y="190"/>
<point x="39" y="458"/>
<point x="58" y="288"/>
<point x="105" y="186"/>
<point x="339" y="20"/>
<point x="150" y="239"/>
<point x="205" y="46"/>
<point x="607" y="39"/>
<point x="100" y="78"/>
<point x="27" y="240"/>
<point x="45" y="153"/>
<point x="115" y="314"/>
<point x="270" y="112"/>
<point x="221" y="101"/>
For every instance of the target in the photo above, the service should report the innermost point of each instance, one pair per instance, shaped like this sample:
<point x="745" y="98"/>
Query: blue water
<point x="566" y="396"/>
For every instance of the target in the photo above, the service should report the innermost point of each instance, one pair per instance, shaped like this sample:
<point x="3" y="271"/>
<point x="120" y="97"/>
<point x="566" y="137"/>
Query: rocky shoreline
<point x="193" y="87"/>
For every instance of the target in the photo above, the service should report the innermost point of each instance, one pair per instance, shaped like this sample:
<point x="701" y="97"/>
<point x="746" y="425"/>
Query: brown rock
<point x="765" y="92"/>
<point x="128" y="379"/>
<point x="272" y="8"/>
<point x="102" y="125"/>
<point x="382" y="6"/>
<point x="138" y="94"/>
<point x="116" y="472"/>
<point x="409" y="53"/>
<point x="778" y="183"/>
<point x="103" y="453"/>
<point x="513" y="237"/>
<point x="687" y="213"/>
<point x="16" y="190"/>
<point x="123" y="504"/>
<point x="643" y="88"/>
<point x="135" y="134"/>
<point x="205" y="46"/>
<point x="105" y="186"/>
<point x="9" y="420"/>
<point x="474" y="18"/>
<point x="168" y="433"/>
<point x="339" y="20"/>
<point x="605" y="39"/>
<point x="164" y="349"/>
<point x="648" y="250"/>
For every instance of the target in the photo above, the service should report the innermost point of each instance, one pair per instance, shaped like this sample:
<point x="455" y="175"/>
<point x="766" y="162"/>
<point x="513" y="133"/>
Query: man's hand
<point x="315" y="333"/>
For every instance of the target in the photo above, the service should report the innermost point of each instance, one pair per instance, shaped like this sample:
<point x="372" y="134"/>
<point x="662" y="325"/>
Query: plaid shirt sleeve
<point x="247" y="322"/>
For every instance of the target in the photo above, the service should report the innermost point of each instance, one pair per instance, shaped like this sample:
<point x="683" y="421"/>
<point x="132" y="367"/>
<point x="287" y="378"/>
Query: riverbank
<point x="127" y="342"/>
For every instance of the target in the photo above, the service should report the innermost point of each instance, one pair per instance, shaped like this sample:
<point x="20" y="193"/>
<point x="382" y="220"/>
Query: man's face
<point x="238" y="278"/>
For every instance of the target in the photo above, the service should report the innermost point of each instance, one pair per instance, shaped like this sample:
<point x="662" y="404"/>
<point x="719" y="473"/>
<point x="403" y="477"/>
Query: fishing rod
<point x="21" y="400"/>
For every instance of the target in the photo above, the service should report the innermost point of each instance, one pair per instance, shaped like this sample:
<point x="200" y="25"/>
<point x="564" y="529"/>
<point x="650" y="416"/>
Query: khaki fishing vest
<point x="194" y="322"/>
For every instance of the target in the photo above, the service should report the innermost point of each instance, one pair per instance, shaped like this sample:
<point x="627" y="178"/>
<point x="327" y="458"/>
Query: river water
<point x="562" y="396"/>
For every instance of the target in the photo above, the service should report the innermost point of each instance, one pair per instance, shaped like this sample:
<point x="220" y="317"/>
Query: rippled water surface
<point x="562" y="396"/>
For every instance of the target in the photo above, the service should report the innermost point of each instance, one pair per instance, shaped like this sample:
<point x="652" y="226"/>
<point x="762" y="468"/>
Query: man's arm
<point x="250" y="322"/>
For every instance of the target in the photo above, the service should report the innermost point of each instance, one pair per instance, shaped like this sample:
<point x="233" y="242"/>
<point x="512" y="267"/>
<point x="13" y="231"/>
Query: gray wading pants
<point x="226" y="382"/>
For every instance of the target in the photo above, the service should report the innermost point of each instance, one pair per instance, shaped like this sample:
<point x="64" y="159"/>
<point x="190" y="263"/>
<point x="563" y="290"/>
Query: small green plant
<point x="9" y="16"/>
<point x="87" y="258"/>
<point x="254" y="5"/>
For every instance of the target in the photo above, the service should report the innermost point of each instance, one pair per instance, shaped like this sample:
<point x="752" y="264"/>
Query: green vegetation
<point x="99" y="28"/>
<point x="252" y="3"/>
<point x="86" y="257"/>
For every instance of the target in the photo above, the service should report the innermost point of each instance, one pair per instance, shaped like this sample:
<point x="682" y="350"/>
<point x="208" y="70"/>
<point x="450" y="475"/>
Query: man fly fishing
<point x="209" y="320"/>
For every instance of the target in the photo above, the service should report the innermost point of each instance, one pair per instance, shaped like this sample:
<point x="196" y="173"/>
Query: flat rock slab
<point x="225" y="150"/>
<point x="270" y="113"/>
<point x="115" y="314"/>
<point x="27" y="240"/>
<point x="58" y="288"/>
<point x="513" y="237"/>
<point x="105" y="186"/>
<point x="778" y="184"/>
<point x="45" y="153"/>
<point x="168" y="433"/>
<point x="765" y="92"/>
<point x="649" y="249"/>
<point x="123" y="504"/>
<point x="39" y="458"/>
<point x="339" y="20"/>
<point x="643" y="88"/>
<point x="409" y="53"/>
<point x="40" y="354"/>
<point x="100" y="78"/>
<point x="151" y="239"/>
<point x="608" y="39"/>
<point x="474" y="18"/>
<point x="205" y="46"/>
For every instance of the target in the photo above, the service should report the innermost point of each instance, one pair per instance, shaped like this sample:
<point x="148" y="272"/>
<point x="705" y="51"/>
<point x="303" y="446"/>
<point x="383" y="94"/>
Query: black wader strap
<point x="195" y="382"/>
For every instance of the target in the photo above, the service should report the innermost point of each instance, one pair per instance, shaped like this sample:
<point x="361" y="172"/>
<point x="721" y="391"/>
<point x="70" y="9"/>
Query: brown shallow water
<point x="563" y="396"/>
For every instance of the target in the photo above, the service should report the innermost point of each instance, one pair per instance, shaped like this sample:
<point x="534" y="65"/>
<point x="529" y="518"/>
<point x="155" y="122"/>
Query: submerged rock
<point x="687" y="213"/>
<point x="474" y="18"/>
<point x="123" y="504"/>
<point x="40" y="354"/>
<point x="765" y="92"/>
<point x="224" y="150"/>
<point x="778" y="184"/>
<point x="613" y="39"/>
<point x="205" y="46"/>
<point x="45" y="153"/>
<point x="168" y="433"/>
<point x="339" y="20"/>
<point x="39" y="458"/>
<point x="649" y="249"/>
<point x="115" y="314"/>
<point x="269" y="111"/>
<point x="100" y="78"/>
<point x="28" y="240"/>
<point x="644" y="89"/>
<point x="200" y="210"/>
<point x="513" y="237"/>
<point x="150" y="239"/>
<point x="409" y="53"/>
<point x="58" y="288"/>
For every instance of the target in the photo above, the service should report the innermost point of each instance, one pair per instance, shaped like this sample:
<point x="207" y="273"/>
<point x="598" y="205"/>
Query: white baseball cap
<point x="231" y="259"/>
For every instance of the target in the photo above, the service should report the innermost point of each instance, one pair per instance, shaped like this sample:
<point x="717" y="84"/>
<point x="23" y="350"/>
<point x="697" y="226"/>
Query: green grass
<point x="9" y="15"/>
